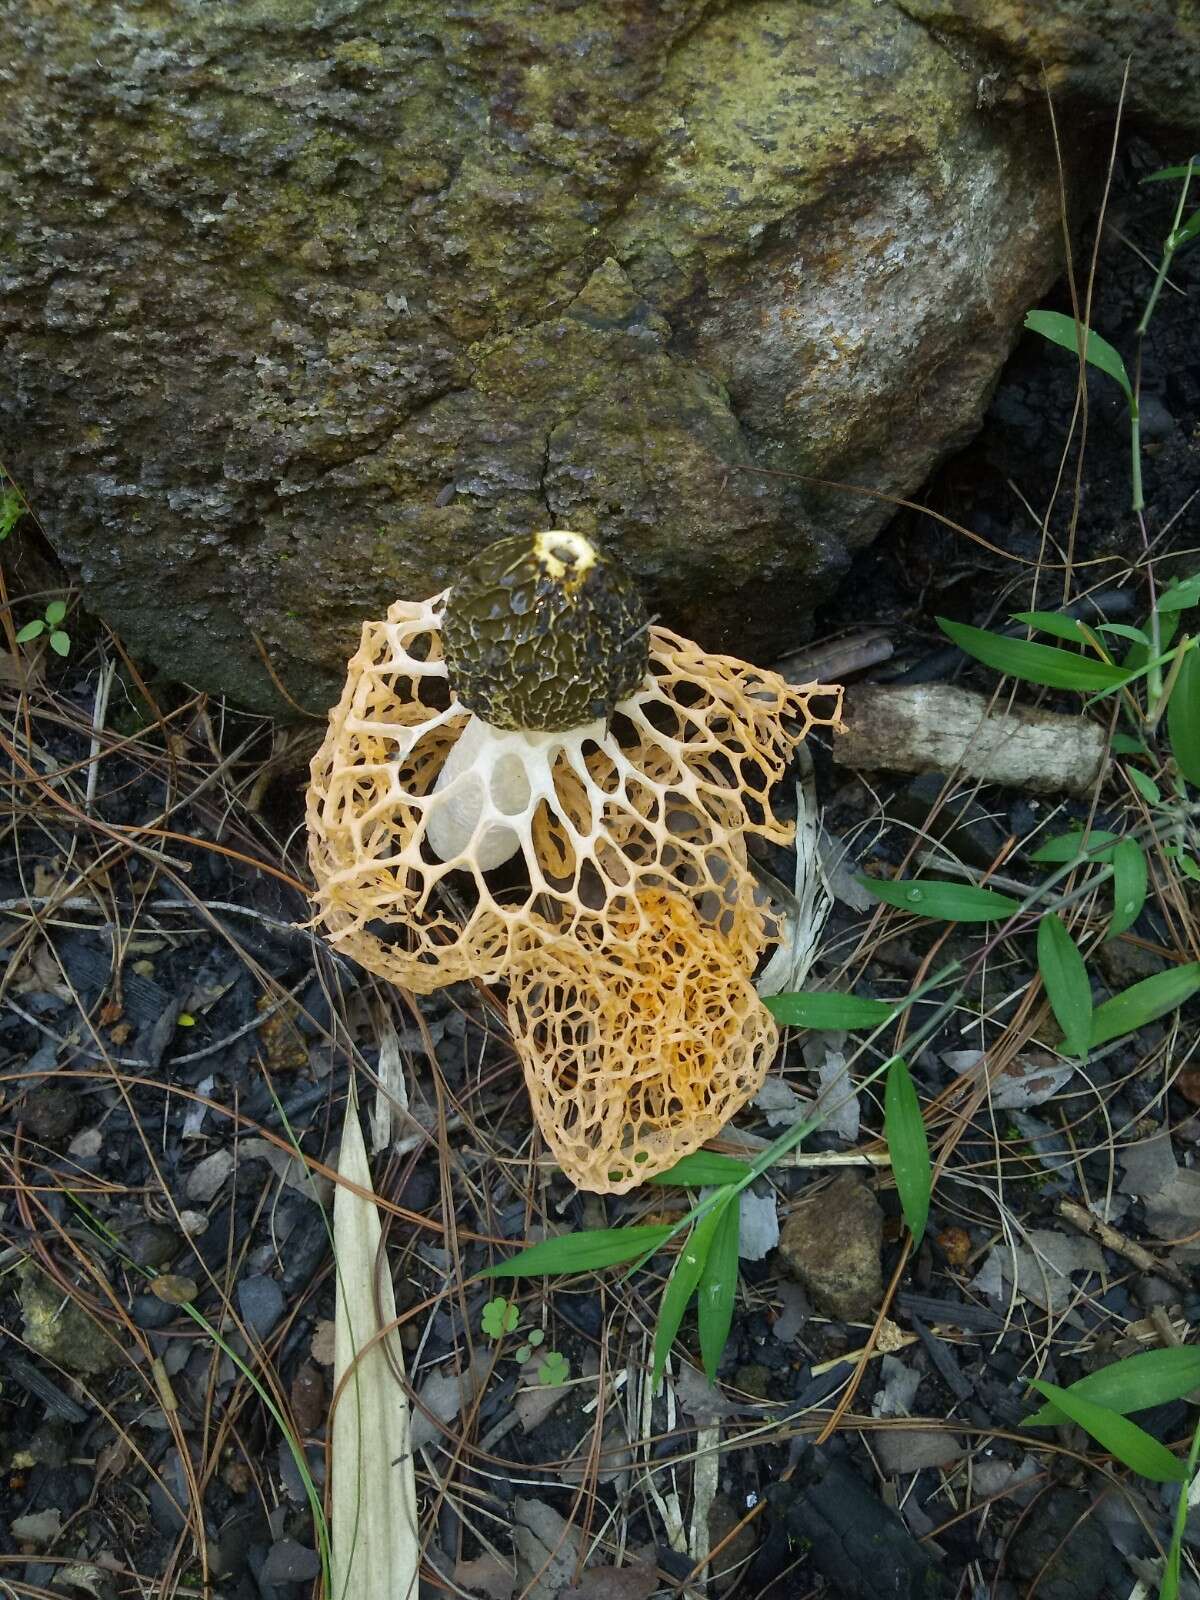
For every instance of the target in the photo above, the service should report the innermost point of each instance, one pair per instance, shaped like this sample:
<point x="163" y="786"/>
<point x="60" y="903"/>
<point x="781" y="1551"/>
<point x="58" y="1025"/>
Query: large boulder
<point x="1080" y="51"/>
<point x="303" y="300"/>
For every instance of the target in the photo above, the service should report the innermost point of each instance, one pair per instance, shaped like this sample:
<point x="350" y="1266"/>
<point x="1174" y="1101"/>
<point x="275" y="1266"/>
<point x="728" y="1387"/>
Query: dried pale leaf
<point x="1028" y="1081"/>
<point x="837" y="1103"/>
<point x="376" y="1548"/>
<point x="805" y="915"/>
<point x="547" y="1549"/>
<point x="443" y="1395"/>
<point x="758" y="1232"/>
<point x="391" y="1098"/>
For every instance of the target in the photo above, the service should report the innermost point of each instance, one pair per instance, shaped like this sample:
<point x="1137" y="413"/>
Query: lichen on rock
<point x="304" y="302"/>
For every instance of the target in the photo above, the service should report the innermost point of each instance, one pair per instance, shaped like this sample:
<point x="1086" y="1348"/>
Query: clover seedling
<point x="500" y="1316"/>
<point x="554" y="1368"/>
<point x="532" y="1339"/>
<point x="59" y="640"/>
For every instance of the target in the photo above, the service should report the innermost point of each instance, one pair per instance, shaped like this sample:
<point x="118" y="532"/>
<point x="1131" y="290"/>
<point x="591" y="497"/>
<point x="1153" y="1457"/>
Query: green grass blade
<point x="702" y="1168"/>
<point x="718" y="1289"/>
<point x="1144" y="1002"/>
<point x="1123" y="630"/>
<point x="1054" y="622"/>
<point x="1183" y="718"/>
<point x="1065" y="978"/>
<point x="580" y="1252"/>
<point x="1097" y="352"/>
<point x="1131" y="1445"/>
<point x="1181" y="594"/>
<point x="805" y="1009"/>
<point x="1145" y="786"/>
<point x="908" y="1147"/>
<point x="1130" y="878"/>
<point x="1064" y="847"/>
<point x="944" y="901"/>
<point x="1169" y="1588"/>
<point x="1151" y="1378"/>
<point x="683" y="1282"/>
<point x="1044" y="664"/>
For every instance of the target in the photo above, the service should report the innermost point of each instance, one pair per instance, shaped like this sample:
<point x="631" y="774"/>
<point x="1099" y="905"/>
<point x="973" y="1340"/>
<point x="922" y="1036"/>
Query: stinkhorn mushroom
<point x="634" y="1058"/>
<point x="524" y="780"/>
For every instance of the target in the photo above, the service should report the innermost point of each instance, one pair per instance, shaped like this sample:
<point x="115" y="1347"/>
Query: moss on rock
<point x="306" y="301"/>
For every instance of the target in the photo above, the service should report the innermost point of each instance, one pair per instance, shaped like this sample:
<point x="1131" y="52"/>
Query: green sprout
<point x="12" y="509"/>
<point x="532" y="1340"/>
<point x="60" y="640"/>
<point x="500" y="1316"/>
<point x="554" y="1368"/>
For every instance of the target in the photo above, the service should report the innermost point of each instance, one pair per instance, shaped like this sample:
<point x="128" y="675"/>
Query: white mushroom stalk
<point x="492" y="783"/>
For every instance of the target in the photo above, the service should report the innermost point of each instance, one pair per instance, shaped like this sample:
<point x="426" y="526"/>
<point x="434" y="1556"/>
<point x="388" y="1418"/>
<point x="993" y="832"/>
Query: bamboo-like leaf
<point x="1054" y="622"/>
<point x="1123" y="630"/>
<point x="1131" y="1445"/>
<point x="580" y="1252"/>
<point x="1034" y="663"/>
<point x="908" y="1146"/>
<point x="1096" y="846"/>
<point x="1145" y="786"/>
<point x="1097" y="352"/>
<point x="1066" y="982"/>
<point x="1144" y="1002"/>
<point x="1182" y="594"/>
<point x="375" y="1544"/>
<point x="718" y="1289"/>
<point x="683" y="1283"/>
<point x="1151" y="1378"/>
<point x="1183" y="718"/>
<point x="1130" y="876"/>
<point x="701" y="1168"/>
<point x="1191" y="170"/>
<point x="820" y="1009"/>
<point x="942" y="900"/>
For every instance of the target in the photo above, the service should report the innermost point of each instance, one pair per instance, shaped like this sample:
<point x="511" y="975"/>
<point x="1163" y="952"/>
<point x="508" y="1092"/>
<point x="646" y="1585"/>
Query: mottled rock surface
<point x="1083" y="45"/>
<point x="302" y="300"/>
<point x="833" y="1248"/>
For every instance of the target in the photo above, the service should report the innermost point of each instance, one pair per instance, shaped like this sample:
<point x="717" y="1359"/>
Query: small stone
<point x="753" y="1380"/>
<point x="322" y="1346"/>
<point x="1123" y="964"/>
<point x="50" y="1443"/>
<point x="833" y="1249"/>
<point x="152" y="1244"/>
<point x="955" y="1245"/>
<point x="1062" y="1546"/>
<point x="86" y="1146"/>
<point x="39" y="1527"/>
<point x="903" y="1450"/>
<point x="59" y="1329"/>
<point x="206" y="1178"/>
<point x="725" y="1521"/>
<point x="51" y="1113"/>
<point x="174" y="1289"/>
<point x="260" y="1300"/>
<point x="289" y="1562"/>
<point x="151" y="1313"/>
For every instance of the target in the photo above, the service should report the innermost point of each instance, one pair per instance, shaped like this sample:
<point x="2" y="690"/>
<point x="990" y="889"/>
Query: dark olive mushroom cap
<point x="544" y="633"/>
